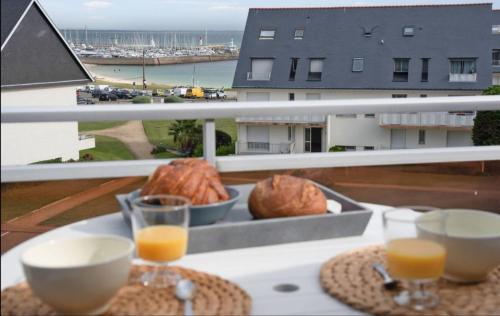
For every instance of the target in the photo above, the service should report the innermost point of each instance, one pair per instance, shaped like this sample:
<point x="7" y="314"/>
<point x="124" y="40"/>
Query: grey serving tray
<point x="239" y="230"/>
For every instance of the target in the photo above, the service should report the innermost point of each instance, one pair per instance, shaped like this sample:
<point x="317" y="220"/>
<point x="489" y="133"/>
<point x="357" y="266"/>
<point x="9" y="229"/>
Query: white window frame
<point x="360" y="63"/>
<point x="300" y="36"/>
<point x="408" y="31"/>
<point x="271" y="34"/>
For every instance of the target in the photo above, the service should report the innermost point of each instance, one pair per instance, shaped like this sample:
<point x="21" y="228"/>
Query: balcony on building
<point x="451" y="120"/>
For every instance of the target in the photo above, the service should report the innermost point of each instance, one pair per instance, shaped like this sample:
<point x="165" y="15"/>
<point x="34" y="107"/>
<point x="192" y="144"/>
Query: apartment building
<point x="38" y="69"/>
<point x="364" y="52"/>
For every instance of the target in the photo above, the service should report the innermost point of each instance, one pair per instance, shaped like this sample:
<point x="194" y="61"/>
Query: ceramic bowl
<point x="472" y="241"/>
<point x="78" y="276"/>
<point x="199" y="214"/>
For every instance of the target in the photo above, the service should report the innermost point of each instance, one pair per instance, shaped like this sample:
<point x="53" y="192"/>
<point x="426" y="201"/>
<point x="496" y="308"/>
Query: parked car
<point x="194" y="93"/>
<point x="123" y="94"/>
<point x="108" y="97"/>
<point x="82" y="100"/>
<point x="180" y="91"/>
<point x="221" y="94"/>
<point x="210" y="94"/>
<point x="158" y="93"/>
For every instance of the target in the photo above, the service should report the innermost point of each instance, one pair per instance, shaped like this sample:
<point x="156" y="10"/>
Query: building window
<point x="495" y="57"/>
<point x="313" y="96"/>
<point x="408" y="31"/>
<point x="495" y="29"/>
<point x="267" y="34"/>
<point x="358" y="64"/>
<point x="401" y="67"/>
<point x="463" y="70"/>
<point x="350" y="148"/>
<point x="291" y="97"/>
<point x="421" y="137"/>
<point x="423" y="95"/>
<point x="463" y="66"/>
<point x="370" y="115"/>
<point x="261" y="69"/>
<point x="346" y="115"/>
<point x="315" y="69"/>
<point x="369" y="148"/>
<point x="395" y="96"/>
<point x="299" y="34"/>
<point x="293" y="69"/>
<point x="291" y="133"/>
<point x="425" y="70"/>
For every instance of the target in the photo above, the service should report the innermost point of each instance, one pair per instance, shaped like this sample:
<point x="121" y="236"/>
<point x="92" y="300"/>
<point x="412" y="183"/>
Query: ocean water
<point x="213" y="74"/>
<point x="163" y="39"/>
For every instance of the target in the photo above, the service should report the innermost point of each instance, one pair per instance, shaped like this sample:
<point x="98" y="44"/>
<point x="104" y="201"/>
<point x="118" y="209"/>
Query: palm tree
<point x="186" y="133"/>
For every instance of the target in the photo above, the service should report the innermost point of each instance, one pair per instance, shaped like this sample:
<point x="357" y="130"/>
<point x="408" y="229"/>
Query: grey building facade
<point x="437" y="35"/>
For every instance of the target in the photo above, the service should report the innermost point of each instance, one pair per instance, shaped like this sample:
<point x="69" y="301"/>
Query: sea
<point x="213" y="74"/>
<point x="208" y="75"/>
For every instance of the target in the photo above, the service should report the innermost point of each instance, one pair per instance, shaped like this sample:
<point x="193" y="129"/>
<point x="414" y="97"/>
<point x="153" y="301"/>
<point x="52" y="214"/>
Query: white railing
<point x="211" y="111"/>
<point x="429" y="119"/>
<point x="258" y="76"/>
<point x="285" y="119"/>
<point x="463" y="77"/>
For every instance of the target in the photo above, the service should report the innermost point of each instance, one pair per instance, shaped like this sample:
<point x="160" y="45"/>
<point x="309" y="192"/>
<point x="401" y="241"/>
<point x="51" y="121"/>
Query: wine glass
<point x="412" y="257"/>
<point x="160" y="226"/>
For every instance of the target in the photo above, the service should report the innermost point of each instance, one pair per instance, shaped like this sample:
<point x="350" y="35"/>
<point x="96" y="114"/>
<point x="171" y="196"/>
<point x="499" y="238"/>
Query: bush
<point x="222" y="138"/>
<point x="225" y="150"/>
<point x="88" y="157"/>
<point x="336" y="148"/>
<point x="141" y="99"/>
<point x="173" y="99"/>
<point x="198" y="150"/>
<point x="486" y="130"/>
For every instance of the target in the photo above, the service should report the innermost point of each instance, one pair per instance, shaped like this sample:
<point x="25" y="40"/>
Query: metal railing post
<point x="209" y="140"/>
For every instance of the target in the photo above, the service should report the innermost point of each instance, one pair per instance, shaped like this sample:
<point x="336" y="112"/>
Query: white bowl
<point x="471" y="239"/>
<point x="78" y="276"/>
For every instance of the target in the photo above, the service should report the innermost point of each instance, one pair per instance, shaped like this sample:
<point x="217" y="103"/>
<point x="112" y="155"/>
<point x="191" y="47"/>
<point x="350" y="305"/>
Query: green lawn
<point x="108" y="148"/>
<point x="165" y="155"/>
<point x="94" y="126"/>
<point x="157" y="131"/>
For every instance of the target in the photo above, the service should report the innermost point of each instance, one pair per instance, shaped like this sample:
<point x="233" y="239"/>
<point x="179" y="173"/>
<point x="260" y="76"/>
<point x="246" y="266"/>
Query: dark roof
<point x="377" y="6"/>
<point x="35" y="53"/>
<point x="336" y="34"/>
<point x="12" y="10"/>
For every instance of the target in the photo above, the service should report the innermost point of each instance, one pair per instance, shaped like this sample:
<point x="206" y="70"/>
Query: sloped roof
<point x="339" y="34"/>
<point x="33" y="51"/>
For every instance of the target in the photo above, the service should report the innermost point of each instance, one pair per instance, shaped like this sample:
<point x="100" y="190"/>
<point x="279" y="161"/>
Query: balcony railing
<point x="429" y="119"/>
<point x="211" y="111"/>
<point x="495" y="62"/>
<point x="463" y="77"/>
<point x="264" y="148"/>
<point x="258" y="76"/>
<point x="284" y="119"/>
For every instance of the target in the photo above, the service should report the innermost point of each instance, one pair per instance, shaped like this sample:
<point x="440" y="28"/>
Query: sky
<point x="185" y="14"/>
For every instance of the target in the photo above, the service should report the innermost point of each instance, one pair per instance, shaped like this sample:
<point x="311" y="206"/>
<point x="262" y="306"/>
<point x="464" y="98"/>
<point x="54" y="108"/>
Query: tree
<point x="486" y="130"/>
<point x="186" y="133"/>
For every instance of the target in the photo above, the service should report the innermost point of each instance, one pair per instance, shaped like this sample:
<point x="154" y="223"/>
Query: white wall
<point x="361" y="131"/>
<point x="24" y="143"/>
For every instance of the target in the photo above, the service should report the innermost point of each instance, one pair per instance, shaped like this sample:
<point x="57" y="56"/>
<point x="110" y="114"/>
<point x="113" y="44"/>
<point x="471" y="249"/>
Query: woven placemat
<point x="351" y="279"/>
<point x="214" y="296"/>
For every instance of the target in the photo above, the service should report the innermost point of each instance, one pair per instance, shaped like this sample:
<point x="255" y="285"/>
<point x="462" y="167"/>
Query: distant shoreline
<point x="173" y="60"/>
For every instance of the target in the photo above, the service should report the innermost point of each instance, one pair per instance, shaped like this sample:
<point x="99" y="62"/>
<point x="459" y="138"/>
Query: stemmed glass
<point x="160" y="226"/>
<point x="413" y="258"/>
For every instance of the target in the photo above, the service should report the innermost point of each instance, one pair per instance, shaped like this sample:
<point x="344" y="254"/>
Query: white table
<point x="257" y="270"/>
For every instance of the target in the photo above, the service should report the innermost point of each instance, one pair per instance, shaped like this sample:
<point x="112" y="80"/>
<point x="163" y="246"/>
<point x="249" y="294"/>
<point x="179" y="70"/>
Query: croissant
<point x="283" y="195"/>
<point x="192" y="178"/>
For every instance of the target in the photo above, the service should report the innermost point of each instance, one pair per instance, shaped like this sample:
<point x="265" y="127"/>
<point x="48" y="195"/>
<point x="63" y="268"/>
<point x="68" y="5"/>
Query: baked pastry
<point x="192" y="178"/>
<point x="282" y="196"/>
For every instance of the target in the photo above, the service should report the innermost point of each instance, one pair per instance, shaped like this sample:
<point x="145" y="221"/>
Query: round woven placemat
<point x="351" y="279"/>
<point x="214" y="296"/>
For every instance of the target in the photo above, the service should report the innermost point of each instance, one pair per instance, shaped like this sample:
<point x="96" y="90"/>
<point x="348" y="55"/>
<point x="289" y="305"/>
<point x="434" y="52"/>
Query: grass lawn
<point x="157" y="131"/>
<point x="94" y="126"/>
<point x="108" y="148"/>
<point x="165" y="155"/>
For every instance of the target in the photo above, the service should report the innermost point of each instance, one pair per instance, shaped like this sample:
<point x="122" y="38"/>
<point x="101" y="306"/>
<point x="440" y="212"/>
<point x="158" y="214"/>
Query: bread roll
<point x="282" y="196"/>
<point x="192" y="178"/>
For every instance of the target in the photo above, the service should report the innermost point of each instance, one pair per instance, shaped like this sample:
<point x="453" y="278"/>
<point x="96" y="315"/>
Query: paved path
<point x="132" y="135"/>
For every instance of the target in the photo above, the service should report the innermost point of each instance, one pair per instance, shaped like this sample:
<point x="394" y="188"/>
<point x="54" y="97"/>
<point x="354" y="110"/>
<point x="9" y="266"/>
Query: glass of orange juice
<point x="411" y="258"/>
<point x="160" y="226"/>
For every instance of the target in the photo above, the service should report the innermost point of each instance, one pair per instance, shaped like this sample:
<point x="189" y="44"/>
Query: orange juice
<point x="161" y="243"/>
<point x="415" y="259"/>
